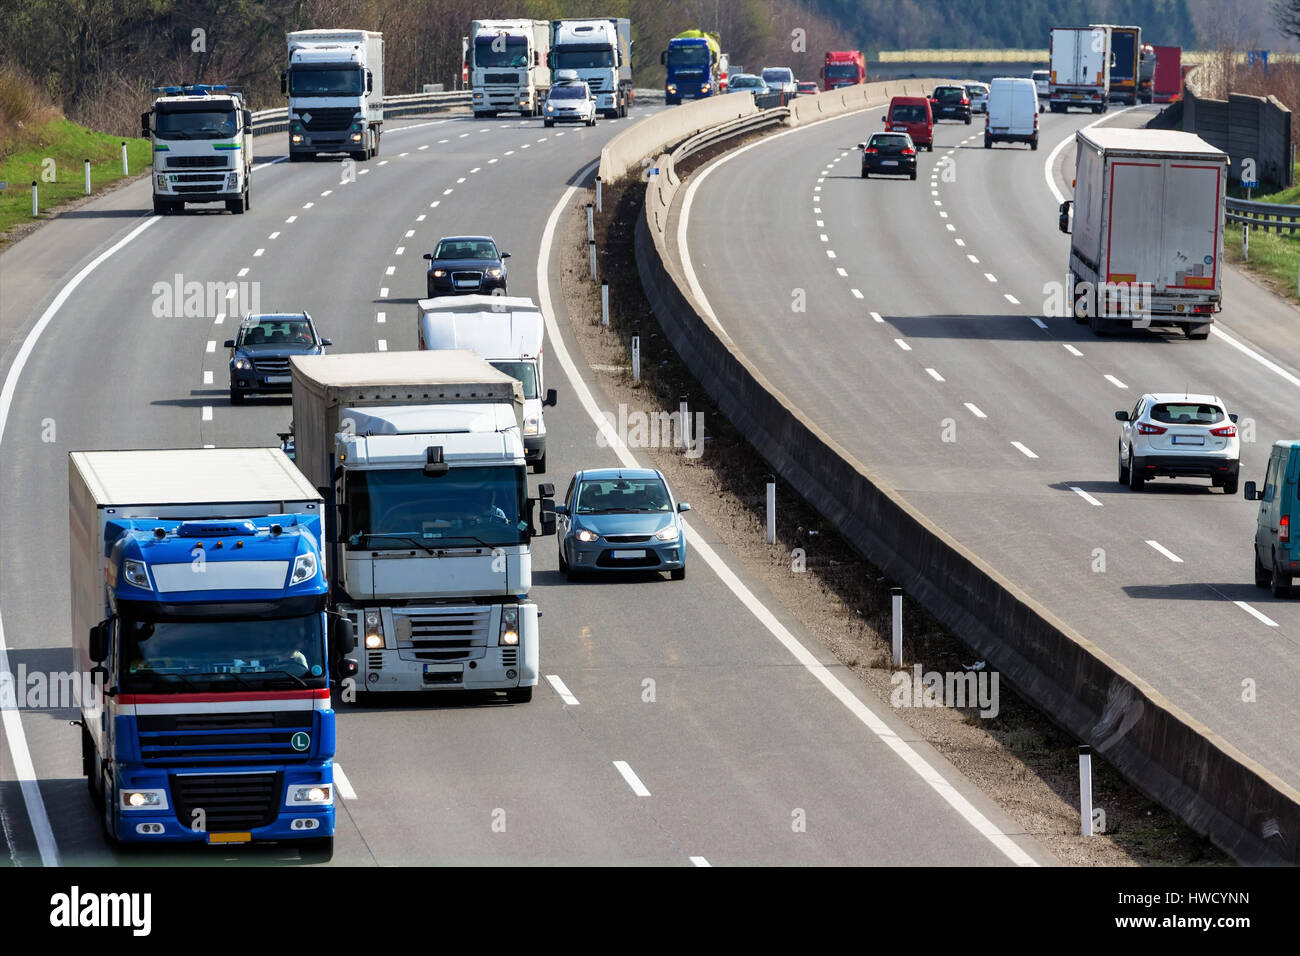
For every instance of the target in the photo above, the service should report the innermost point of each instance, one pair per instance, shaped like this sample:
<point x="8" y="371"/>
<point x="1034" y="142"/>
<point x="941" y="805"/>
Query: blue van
<point x="1277" y="550"/>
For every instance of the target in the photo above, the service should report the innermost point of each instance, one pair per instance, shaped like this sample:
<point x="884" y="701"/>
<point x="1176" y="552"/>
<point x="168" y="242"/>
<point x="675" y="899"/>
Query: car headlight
<point x="439" y="273"/>
<point x="144" y="799"/>
<point x="304" y="569"/>
<point x="374" y="630"/>
<point x="312" y="794"/>
<point x="588" y="536"/>
<point x="136" y="573"/>
<point x="530" y="425"/>
<point x="241" y="364"/>
<point x="495" y="272"/>
<point x="550" y="107"/>
<point x="669" y="533"/>
<point x="509" y="625"/>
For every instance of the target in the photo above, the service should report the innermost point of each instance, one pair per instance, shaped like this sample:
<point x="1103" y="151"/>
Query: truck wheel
<point x="1261" y="572"/>
<point x="519" y="695"/>
<point x="248" y="193"/>
<point x="108" y="814"/>
<point x="1198" y="332"/>
<point x="1078" y="297"/>
<point x="968" y="121"/>
<point x="159" y="207"/>
<point x="236" y="206"/>
<point x="539" y="467"/>
<point x="296" y="157"/>
<point x="374" y="150"/>
<point x="316" y="850"/>
<point x="360" y="155"/>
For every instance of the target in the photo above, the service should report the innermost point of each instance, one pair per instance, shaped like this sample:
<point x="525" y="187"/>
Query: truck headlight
<point x="295" y="138"/>
<point x="162" y="181"/>
<point x="374" y="630"/>
<point x="669" y="533"/>
<point x="509" y="625"/>
<point x="672" y="87"/>
<point x="530" y="425"/>
<point x="356" y="137"/>
<point x="143" y="799"/>
<point x="314" y="794"/>
<point x="304" y="569"/>
<point x="136" y="573"/>
<point x="478" y="94"/>
<point x="704" y="87"/>
<point x="232" y="180"/>
<point x="587" y="536"/>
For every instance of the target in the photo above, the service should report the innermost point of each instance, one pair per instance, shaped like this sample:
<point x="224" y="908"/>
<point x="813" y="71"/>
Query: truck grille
<point x="172" y="739"/>
<point x="327" y="119"/>
<point x="511" y="78"/>
<point x="215" y="180"/>
<point x="230" y="802"/>
<point x="596" y="84"/>
<point x="456" y="634"/>
<point x="198" y="162"/>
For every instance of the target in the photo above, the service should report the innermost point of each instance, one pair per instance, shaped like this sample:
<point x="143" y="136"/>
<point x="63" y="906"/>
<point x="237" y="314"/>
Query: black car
<point x="892" y="154"/>
<point x="950" y="102"/>
<point x="259" y="357"/>
<point x="466" y="265"/>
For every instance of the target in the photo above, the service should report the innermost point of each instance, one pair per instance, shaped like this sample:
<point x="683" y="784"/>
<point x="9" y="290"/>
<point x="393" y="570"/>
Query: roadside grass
<point x="1274" y="258"/>
<point x="1290" y="195"/>
<point x="52" y="153"/>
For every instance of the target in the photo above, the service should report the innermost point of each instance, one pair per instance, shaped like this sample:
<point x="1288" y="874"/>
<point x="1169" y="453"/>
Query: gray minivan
<point x="1277" y="552"/>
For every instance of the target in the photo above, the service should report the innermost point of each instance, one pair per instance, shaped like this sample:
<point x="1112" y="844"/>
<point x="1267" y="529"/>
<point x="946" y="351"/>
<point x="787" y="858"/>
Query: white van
<point x="505" y="330"/>
<point x="1013" y="112"/>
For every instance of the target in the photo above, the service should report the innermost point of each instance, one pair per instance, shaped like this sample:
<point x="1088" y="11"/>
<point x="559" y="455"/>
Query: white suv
<point x="1175" y="435"/>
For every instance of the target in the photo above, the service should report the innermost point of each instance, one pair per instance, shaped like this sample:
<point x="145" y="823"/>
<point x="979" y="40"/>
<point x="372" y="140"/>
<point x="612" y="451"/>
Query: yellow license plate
<point x="230" y="838"/>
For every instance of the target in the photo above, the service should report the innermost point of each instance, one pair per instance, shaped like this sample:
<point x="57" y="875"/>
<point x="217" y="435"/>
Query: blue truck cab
<point x="1277" y="526"/>
<point x="692" y="64"/>
<point x="200" y="596"/>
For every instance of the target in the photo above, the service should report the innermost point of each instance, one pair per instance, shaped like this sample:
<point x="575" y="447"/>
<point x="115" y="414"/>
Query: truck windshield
<point x="469" y="506"/>
<point x="194" y="124"/>
<point x="227" y="647"/>
<point x="326" y="81"/>
<point x="583" y="57"/>
<point x="499" y="51"/>
<point x="525" y="372"/>
<point x="842" y="71"/>
<point x="694" y="55"/>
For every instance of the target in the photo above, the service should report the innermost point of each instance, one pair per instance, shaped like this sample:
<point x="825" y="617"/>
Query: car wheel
<point x="968" y="121"/>
<point x="865" y="174"/>
<point x="678" y="574"/>
<point x="236" y="397"/>
<point x="1123" y="469"/>
<point x="1230" y="485"/>
<point x="1033" y="143"/>
<point x="564" y="564"/>
<point x="548" y="123"/>
<point x="1135" y="477"/>
<point x="1261" y="572"/>
<point x="912" y="175"/>
<point x="519" y="695"/>
<point x="1281" y="583"/>
<point x="988" y="142"/>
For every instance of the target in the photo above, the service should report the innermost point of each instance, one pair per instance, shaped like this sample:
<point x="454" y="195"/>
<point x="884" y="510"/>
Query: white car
<point x="780" y="79"/>
<point x="1173" y="435"/>
<point x="569" y="102"/>
<point x="1043" y="82"/>
<point x="978" y="93"/>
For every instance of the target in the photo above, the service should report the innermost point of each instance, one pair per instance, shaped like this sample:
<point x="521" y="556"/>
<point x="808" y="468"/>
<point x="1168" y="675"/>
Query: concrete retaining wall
<point x="1248" y="811"/>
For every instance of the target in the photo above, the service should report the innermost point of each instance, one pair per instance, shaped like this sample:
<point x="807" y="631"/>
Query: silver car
<point x="569" y="102"/>
<point x="979" y="96"/>
<point x="619" y="520"/>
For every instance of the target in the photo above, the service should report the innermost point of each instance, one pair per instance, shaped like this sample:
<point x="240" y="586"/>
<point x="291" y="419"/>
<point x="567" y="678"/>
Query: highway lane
<point x="986" y="412"/>
<point x="737" y="738"/>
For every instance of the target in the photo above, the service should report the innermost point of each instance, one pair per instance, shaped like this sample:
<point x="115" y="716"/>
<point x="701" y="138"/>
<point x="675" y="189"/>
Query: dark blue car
<point x="621" y="519"/>
<point x="259" y="356"/>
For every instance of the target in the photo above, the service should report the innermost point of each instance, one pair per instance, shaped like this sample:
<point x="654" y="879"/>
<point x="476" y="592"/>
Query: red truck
<point x="1167" y="84"/>
<point x="843" y="68"/>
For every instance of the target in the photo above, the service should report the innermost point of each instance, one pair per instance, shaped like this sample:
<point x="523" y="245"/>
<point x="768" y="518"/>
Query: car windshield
<point x="194" y="124"/>
<point x="1186" y="413"/>
<point x="330" y="81"/>
<point x="908" y="114"/>
<point x="887" y="141"/>
<point x="524" y="372"/>
<point x="749" y="82"/>
<point x="245" y="647"/>
<point x="467" y="249"/>
<point x="974" y="90"/>
<point x="778" y="76"/>
<point x="622" y="496"/>
<point x="500" y="51"/>
<point x="569" y="92"/>
<point x="403" y="508"/>
<point x="276" y="333"/>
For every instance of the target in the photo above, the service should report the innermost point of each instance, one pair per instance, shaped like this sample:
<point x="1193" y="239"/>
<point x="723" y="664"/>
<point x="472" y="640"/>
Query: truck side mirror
<point x="1063" y="223"/>
<point x="547" y="490"/>
<point x="284" y="83"/>
<point x="248" y="121"/>
<point x="537" y="58"/>
<point x="1251" y="493"/>
<point x="343" y="635"/>
<point x="144" y="125"/>
<point x="663" y="58"/>
<point x="552" y="395"/>
<point x="98" y="643"/>
<point x="370" y="82"/>
<point x="548" y="520"/>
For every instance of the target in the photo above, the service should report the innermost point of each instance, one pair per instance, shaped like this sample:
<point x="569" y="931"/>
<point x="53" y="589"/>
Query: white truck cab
<point x="202" y="147"/>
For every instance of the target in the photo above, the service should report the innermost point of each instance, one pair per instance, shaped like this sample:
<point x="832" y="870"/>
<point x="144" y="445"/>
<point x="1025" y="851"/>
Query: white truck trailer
<point x="508" y="331"/>
<point x="1080" y="68"/>
<point x="421" y="462"/>
<point x="335" y="83"/>
<point x="508" y="66"/>
<point x="1146" y="246"/>
<point x="202" y="147"/>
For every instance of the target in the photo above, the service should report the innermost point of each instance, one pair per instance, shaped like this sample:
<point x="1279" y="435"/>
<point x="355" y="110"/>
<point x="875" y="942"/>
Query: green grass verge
<point x="1290" y="195"/>
<point x="1274" y="258"/>
<point x="58" y="149"/>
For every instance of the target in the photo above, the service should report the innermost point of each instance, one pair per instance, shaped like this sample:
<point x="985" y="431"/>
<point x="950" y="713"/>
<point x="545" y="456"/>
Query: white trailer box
<point x="1147" y="239"/>
<point x="1080" y="68"/>
<point x="509" y="66"/>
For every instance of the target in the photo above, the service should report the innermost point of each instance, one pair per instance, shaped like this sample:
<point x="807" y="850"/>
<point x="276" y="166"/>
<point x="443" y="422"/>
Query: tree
<point x="1286" y="13"/>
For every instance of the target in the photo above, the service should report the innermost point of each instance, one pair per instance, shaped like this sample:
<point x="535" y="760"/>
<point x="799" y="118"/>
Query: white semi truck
<point x="1146" y="246"/>
<point x="601" y="53"/>
<point x="421" y="462"/>
<point x="335" y="83"/>
<point x="1080" y="68"/>
<point x="202" y="147"/>
<point x="508" y="66"/>
<point x="508" y="332"/>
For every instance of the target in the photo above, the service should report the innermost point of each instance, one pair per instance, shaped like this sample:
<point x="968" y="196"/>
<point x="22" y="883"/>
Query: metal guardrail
<point x="1278" y="217"/>
<point x="405" y="104"/>
<point x="717" y="134"/>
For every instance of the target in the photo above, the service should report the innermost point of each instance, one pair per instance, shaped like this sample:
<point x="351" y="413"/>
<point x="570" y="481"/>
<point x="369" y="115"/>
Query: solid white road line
<point x="1116" y="382"/>
<point x="1166" y="552"/>
<point x="1085" y="496"/>
<point x="1246" y="350"/>
<point x="565" y="694"/>
<point x="934" y="375"/>
<point x="1254" y="613"/>
<point x="1051" y="157"/>
<point x="632" y="779"/>
<point x="1023" y="450"/>
<point x="974" y="410"/>
<point x="935" y="780"/>
<point x="342" y="783"/>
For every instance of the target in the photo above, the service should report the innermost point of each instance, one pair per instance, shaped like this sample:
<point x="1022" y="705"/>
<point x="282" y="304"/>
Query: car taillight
<point x="909" y="152"/>
<point x="871" y="149"/>
<point x="1284" y="529"/>
<point x="1227" y="431"/>
<point x="965" y="102"/>
<point x="1146" y="429"/>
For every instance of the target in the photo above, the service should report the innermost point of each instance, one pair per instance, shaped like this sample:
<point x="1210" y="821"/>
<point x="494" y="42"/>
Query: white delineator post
<point x="1085" y="789"/>
<point x="125" y="169"/>
<point x="604" y="305"/>
<point x="636" y="358"/>
<point x="35" y="209"/>
<point x="87" y="177"/>
<point x="771" y="509"/>
<point x="598" y="205"/>
<point x="896" y="602"/>
<point x="591" y="223"/>
<point x="591" y="254"/>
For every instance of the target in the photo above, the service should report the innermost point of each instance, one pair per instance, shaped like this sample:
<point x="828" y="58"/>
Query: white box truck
<point x="601" y="53"/>
<point x="335" y="83"/>
<point x="1146" y="245"/>
<point x="1080" y="68"/>
<point x="509" y="71"/>
<point x="421" y="463"/>
<point x="202" y="147"/>
<point x="508" y="332"/>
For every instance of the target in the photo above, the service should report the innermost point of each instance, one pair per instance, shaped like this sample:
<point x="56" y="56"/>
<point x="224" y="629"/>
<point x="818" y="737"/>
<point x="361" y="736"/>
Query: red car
<point x="805" y="87"/>
<point x="912" y="115"/>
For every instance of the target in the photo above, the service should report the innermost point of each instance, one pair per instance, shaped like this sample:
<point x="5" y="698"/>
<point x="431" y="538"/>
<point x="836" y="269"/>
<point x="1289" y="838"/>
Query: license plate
<point x="279" y="379"/>
<point x="890" y="162"/>
<point x="1188" y="440"/>
<point x="230" y="838"/>
<point x="438" y="669"/>
<point x="466" y="283"/>
<point x="628" y="554"/>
